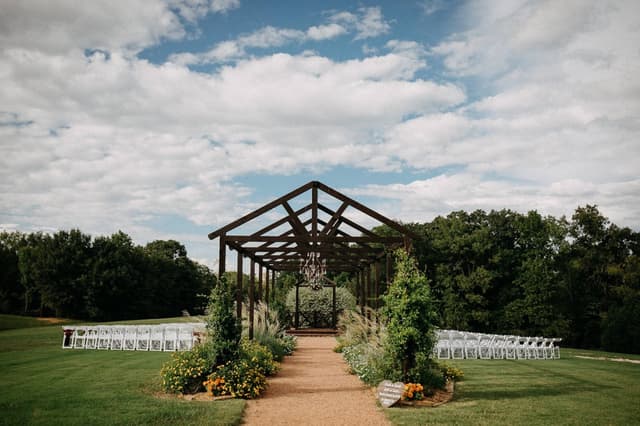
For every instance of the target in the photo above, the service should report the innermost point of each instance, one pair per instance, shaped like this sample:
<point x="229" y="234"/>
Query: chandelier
<point x="313" y="269"/>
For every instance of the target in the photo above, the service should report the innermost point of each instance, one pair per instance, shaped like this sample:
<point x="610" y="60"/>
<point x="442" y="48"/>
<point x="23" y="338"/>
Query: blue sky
<point x="170" y="118"/>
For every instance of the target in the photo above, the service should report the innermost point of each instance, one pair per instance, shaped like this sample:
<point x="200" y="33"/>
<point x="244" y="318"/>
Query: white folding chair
<point x="471" y="345"/>
<point x="91" y="338"/>
<point x="130" y="338"/>
<point x="104" y="337"/>
<point x="156" y="339"/>
<point x="185" y="338"/>
<point x="79" y="337"/>
<point x="143" y="338"/>
<point x="441" y="348"/>
<point x="555" y="349"/>
<point x="485" y="346"/>
<point x="497" y="348"/>
<point x="170" y="338"/>
<point x="511" y="347"/>
<point x="457" y="345"/>
<point x="117" y="338"/>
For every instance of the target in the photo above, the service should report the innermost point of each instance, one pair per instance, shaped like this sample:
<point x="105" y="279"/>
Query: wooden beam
<point x="366" y="210"/>
<point x="294" y="220"/>
<point x="246" y="218"/>
<point x="281" y="222"/>
<point x="308" y="238"/>
<point x="334" y="218"/>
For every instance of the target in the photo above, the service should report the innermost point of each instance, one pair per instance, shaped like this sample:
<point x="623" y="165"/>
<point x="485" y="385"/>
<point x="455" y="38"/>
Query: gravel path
<point x="313" y="387"/>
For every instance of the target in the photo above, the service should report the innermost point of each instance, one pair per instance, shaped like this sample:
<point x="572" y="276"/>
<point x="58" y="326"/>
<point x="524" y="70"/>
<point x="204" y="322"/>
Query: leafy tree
<point x="410" y="320"/>
<point x="223" y="327"/>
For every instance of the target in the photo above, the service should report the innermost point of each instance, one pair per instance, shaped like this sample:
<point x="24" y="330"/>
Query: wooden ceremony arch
<point x="282" y="244"/>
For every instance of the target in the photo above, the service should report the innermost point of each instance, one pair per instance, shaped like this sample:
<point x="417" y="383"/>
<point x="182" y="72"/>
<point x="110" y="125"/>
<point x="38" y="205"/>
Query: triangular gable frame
<point x="343" y="251"/>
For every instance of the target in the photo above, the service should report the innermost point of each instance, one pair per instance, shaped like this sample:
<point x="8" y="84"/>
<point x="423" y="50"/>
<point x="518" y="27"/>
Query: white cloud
<point x="423" y="200"/>
<point x="371" y="23"/>
<point x="192" y="10"/>
<point x="325" y="32"/>
<point x="60" y="26"/>
<point x="109" y="142"/>
<point x="429" y="7"/>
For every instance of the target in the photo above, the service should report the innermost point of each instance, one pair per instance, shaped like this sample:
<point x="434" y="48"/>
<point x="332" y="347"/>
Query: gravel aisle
<point x="313" y="387"/>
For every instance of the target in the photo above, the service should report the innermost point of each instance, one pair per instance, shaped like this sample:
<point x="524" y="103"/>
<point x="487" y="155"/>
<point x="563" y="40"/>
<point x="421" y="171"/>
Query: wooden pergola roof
<point x="345" y="244"/>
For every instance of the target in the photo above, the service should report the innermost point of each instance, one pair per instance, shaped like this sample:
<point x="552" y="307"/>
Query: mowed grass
<point x="11" y="322"/>
<point x="42" y="384"/>
<point x="568" y="391"/>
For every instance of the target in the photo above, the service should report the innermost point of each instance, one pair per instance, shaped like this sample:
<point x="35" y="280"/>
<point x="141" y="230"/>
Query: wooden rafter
<point x="304" y="234"/>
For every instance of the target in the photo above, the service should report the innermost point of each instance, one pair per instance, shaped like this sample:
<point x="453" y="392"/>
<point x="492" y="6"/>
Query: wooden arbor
<point x="341" y="242"/>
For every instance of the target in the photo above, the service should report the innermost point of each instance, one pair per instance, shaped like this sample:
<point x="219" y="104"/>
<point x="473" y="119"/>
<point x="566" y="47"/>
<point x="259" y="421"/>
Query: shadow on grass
<point x="533" y="381"/>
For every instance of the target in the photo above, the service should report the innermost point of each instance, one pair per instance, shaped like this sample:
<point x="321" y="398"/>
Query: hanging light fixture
<point x="313" y="269"/>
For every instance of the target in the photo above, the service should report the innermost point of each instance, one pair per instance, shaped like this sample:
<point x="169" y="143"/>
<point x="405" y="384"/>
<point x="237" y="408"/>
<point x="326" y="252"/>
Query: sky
<point x="168" y="119"/>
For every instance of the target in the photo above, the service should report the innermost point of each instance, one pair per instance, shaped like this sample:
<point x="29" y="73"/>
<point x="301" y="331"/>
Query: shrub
<point x="361" y="345"/>
<point x="451" y="373"/>
<point x="316" y="306"/>
<point x="184" y="372"/>
<point x="258" y="356"/>
<point x="223" y="328"/>
<point x="365" y="361"/>
<point x="410" y="320"/>
<point x="268" y="331"/>
<point x="238" y="379"/>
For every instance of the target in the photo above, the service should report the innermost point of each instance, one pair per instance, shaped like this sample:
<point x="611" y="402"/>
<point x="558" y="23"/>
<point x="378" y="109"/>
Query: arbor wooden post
<point x="222" y="256"/>
<point x="259" y="283"/>
<point x="361" y="292"/>
<point x="266" y="287"/>
<point x="296" y="322"/>
<point x="388" y="271"/>
<point x="367" y="286"/>
<point x="335" y="312"/>
<point x="239" y="279"/>
<point x="252" y="284"/>
<point x="273" y="284"/>
<point x="377" y="285"/>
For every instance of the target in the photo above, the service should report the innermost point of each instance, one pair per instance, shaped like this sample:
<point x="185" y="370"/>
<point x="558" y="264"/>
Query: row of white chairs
<point x="454" y="344"/>
<point x="156" y="337"/>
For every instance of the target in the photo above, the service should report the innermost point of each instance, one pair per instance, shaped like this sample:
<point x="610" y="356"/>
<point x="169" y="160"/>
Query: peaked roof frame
<point x="342" y="250"/>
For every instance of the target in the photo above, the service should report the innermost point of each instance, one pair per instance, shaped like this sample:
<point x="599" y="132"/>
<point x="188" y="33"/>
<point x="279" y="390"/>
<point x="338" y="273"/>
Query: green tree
<point x="410" y="320"/>
<point x="223" y="327"/>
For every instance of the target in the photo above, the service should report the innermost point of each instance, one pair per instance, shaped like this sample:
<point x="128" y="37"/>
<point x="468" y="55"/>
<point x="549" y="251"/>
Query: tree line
<point x="70" y="274"/>
<point x="527" y="274"/>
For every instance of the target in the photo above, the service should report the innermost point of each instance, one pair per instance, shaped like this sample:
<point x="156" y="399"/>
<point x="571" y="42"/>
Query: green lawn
<point x="40" y="383"/>
<point x="11" y="322"/>
<point x="569" y="391"/>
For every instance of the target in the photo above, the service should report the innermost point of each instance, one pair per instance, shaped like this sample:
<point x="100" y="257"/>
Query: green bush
<point x="361" y="345"/>
<point x="365" y="361"/>
<point x="185" y="371"/>
<point x="240" y="379"/>
<point x="258" y="356"/>
<point x="223" y="328"/>
<point x="269" y="332"/>
<point x="410" y="320"/>
<point x="451" y="373"/>
<point x="316" y="306"/>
